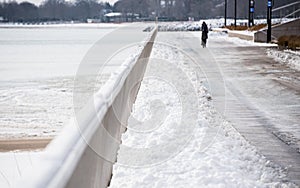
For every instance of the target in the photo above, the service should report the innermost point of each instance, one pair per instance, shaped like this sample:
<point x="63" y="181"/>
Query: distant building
<point x="103" y="12"/>
<point x="115" y="17"/>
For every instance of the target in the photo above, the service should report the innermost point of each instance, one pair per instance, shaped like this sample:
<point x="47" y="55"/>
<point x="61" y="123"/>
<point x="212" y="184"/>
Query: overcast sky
<point x="37" y="2"/>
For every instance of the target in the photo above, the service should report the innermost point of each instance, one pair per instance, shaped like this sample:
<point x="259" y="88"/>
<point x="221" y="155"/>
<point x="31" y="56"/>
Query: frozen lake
<point x="37" y="68"/>
<point x="39" y="64"/>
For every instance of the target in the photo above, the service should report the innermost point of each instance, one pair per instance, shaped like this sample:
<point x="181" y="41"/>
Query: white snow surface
<point x="225" y="160"/>
<point x="223" y="36"/>
<point x="287" y="57"/>
<point x="216" y="155"/>
<point x="14" y="165"/>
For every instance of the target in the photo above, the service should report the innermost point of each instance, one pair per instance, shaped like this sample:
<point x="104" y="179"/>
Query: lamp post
<point x="225" y="13"/>
<point x="251" y="13"/>
<point x="235" y="8"/>
<point x="269" y="20"/>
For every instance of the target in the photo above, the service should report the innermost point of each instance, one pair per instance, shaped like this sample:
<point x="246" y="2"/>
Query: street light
<point x="269" y="20"/>
<point x="235" y="8"/>
<point x="251" y="13"/>
<point x="225" y="13"/>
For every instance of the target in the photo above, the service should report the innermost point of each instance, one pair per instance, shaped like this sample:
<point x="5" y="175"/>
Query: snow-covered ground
<point x="209" y="153"/>
<point x="219" y="35"/>
<point x="211" y="23"/>
<point x="287" y="57"/>
<point x="14" y="165"/>
<point x="215" y="23"/>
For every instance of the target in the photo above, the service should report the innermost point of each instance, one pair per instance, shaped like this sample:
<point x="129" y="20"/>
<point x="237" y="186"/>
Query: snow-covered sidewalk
<point x="187" y="143"/>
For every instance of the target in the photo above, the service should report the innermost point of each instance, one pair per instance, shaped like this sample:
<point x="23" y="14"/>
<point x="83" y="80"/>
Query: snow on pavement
<point x="287" y="57"/>
<point x="212" y="153"/>
<point x="222" y="36"/>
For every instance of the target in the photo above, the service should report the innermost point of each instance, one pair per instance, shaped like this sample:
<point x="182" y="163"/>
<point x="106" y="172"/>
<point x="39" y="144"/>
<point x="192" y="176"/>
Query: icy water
<point x="37" y="68"/>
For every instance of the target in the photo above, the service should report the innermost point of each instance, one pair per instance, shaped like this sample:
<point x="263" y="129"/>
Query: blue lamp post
<point x="251" y="13"/>
<point x="269" y="20"/>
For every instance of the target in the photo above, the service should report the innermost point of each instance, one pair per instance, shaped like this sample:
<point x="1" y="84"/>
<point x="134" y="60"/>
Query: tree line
<point x="81" y="10"/>
<point x="53" y="10"/>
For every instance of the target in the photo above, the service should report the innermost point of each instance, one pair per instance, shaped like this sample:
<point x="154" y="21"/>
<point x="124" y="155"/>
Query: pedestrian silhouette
<point x="204" y="36"/>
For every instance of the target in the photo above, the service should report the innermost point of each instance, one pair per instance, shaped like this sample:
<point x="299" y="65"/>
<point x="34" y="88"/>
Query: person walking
<point x="204" y="36"/>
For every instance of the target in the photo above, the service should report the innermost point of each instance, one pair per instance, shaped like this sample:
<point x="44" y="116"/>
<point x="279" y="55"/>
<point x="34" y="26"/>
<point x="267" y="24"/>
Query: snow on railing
<point x="84" y="152"/>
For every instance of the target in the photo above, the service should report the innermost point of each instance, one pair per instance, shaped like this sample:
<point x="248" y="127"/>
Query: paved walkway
<point x="259" y="96"/>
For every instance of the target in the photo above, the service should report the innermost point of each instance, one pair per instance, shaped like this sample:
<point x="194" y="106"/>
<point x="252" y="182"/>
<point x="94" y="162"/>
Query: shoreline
<point x="23" y="144"/>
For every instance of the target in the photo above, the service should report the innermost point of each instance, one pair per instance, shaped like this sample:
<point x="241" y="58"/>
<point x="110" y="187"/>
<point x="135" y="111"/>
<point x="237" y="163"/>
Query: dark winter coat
<point x="204" y="29"/>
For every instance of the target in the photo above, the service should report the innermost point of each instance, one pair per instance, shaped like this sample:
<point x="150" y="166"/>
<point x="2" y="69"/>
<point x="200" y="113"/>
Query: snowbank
<point x="222" y="35"/>
<point x="212" y="23"/>
<point x="287" y="57"/>
<point x="179" y="26"/>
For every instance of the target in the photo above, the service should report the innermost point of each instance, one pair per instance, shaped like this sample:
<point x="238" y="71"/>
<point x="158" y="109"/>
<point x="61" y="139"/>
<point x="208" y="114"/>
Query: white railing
<point x="286" y="6"/>
<point x="296" y="10"/>
<point x="84" y="152"/>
